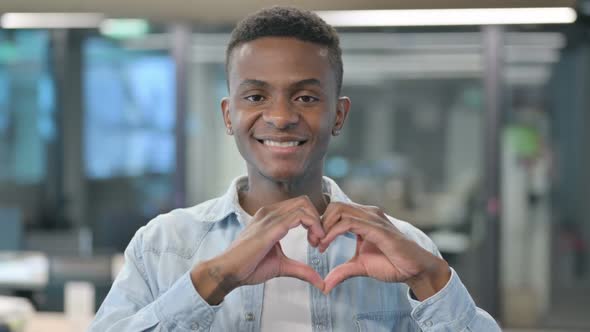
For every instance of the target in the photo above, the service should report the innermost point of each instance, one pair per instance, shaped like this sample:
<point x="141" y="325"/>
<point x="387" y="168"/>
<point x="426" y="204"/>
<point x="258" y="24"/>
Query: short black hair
<point x="284" y="21"/>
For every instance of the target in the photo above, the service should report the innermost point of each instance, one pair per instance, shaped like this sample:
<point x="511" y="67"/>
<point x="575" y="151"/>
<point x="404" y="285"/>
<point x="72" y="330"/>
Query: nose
<point x="281" y="114"/>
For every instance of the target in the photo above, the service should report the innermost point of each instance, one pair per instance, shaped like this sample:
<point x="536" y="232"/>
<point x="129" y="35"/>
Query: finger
<point x="308" y="205"/>
<point x="332" y="214"/>
<point x="300" y="202"/>
<point x="278" y="212"/>
<point x="308" y="220"/>
<point x="295" y="269"/>
<point x="282" y="224"/>
<point x="291" y="204"/>
<point x="318" y="231"/>
<point x="313" y="240"/>
<point x="338" y="210"/>
<point x="346" y="224"/>
<point x="341" y="273"/>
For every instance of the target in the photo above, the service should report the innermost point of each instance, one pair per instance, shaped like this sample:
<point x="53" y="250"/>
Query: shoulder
<point x="409" y="230"/>
<point x="181" y="229"/>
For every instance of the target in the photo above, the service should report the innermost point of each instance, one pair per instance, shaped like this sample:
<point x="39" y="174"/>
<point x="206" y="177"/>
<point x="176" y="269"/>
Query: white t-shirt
<point x="286" y="306"/>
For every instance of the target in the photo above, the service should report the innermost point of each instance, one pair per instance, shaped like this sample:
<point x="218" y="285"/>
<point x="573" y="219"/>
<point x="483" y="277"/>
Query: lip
<point x="281" y="138"/>
<point x="284" y="150"/>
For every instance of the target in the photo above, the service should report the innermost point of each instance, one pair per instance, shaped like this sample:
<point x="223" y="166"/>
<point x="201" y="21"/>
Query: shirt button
<point x="195" y="326"/>
<point x="315" y="261"/>
<point x="428" y="323"/>
<point x="249" y="316"/>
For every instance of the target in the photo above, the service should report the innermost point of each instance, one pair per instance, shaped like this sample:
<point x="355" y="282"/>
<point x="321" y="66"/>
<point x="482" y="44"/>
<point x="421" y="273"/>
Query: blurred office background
<point x="109" y="115"/>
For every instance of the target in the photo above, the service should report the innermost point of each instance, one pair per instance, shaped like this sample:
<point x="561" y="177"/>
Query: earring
<point x="229" y="131"/>
<point x="336" y="132"/>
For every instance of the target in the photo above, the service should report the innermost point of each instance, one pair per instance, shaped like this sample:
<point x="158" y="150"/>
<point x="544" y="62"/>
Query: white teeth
<point x="281" y="144"/>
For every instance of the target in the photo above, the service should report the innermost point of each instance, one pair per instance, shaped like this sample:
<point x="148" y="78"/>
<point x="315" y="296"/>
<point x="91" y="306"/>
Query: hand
<point x="256" y="255"/>
<point x="382" y="251"/>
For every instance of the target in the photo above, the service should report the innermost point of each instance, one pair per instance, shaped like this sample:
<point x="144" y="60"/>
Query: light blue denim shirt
<point x="153" y="292"/>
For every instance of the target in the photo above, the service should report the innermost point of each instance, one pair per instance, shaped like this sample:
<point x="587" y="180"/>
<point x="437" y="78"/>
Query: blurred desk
<point x="23" y="270"/>
<point x="56" y="322"/>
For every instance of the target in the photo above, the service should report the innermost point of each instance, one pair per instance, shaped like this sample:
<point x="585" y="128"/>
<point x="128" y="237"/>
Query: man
<point x="221" y="265"/>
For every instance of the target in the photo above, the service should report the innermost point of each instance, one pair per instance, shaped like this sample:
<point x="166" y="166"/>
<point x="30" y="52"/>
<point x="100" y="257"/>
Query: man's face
<point x="283" y="106"/>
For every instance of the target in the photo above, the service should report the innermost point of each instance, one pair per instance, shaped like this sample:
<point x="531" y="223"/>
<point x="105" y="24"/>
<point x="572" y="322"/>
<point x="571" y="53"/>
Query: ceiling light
<point x="124" y="28"/>
<point x="50" y="20"/>
<point x="434" y="17"/>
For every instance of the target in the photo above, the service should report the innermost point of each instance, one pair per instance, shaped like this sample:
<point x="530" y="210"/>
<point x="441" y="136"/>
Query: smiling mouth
<point x="279" y="144"/>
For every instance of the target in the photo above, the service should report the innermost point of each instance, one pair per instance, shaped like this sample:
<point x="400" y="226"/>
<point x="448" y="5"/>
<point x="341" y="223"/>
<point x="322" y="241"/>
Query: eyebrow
<point x="309" y="81"/>
<point x="254" y="83"/>
<point x="262" y="84"/>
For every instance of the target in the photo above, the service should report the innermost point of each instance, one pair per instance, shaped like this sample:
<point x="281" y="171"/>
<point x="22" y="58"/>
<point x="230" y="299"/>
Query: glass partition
<point x="129" y="137"/>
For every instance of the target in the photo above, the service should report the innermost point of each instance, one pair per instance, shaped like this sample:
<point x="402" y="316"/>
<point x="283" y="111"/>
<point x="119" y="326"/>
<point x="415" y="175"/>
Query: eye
<point x="255" y="98"/>
<point x="307" y="99"/>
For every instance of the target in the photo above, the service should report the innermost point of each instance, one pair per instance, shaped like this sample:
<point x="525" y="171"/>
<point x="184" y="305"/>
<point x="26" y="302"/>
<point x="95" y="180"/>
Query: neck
<point x="264" y="191"/>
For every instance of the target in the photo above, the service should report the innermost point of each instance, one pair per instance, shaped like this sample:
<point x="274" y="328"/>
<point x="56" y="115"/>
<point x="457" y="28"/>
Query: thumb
<point x="295" y="269"/>
<point x="341" y="273"/>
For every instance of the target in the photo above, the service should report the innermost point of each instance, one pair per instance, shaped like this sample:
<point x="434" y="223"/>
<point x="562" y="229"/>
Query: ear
<point x="225" y="112"/>
<point x="342" y="109"/>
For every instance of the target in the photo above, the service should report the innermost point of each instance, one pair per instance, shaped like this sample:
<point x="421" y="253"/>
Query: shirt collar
<point x="229" y="203"/>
